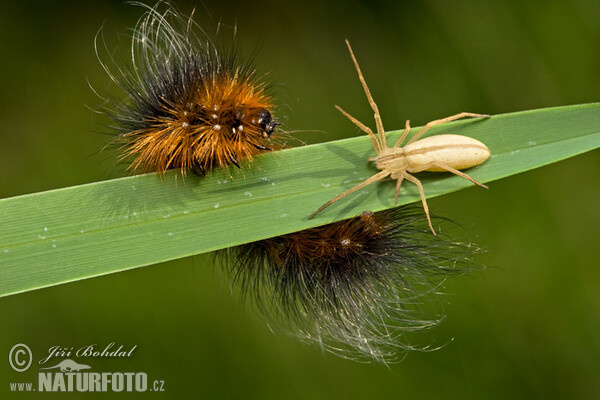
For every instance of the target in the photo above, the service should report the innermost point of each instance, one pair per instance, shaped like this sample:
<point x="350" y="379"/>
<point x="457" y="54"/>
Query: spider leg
<point x="364" y="128"/>
<point x="377" y="177"/>
<point x="443" y="121"/>
<point x="378" y="122"/>
<point x="449" y="169"/>
<point x="422" y="193"/>
<point x="404" y="134"/>
<point x="398" y="184"/>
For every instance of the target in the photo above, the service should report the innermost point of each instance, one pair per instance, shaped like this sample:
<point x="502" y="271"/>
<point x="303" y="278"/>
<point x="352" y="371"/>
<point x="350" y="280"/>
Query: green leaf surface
<point x="79" y="232"/>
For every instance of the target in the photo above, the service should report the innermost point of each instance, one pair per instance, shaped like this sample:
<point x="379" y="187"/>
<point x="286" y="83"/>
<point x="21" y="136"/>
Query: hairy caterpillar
<point x="187" y="104"/>
<point x="355" y="287"/>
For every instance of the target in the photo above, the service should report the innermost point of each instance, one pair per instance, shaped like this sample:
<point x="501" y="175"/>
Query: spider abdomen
<point x="456" y="151"/>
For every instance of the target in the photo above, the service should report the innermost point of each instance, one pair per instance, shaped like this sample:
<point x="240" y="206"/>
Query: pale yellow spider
<point x="435" y="153"/>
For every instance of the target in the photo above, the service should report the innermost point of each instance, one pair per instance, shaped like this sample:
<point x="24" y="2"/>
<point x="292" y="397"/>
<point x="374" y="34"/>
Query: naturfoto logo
<point x="69" y="375"/>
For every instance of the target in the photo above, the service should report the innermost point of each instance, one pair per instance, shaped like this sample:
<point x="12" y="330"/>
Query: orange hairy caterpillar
<point x="356" y="287"/>
<point x="187" y="105"/>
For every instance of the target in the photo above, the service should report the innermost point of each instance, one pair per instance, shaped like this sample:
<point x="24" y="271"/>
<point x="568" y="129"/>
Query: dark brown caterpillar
<point x="357" y="286"/>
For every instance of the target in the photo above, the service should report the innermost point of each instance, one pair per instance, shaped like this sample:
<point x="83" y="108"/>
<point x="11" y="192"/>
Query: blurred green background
<point x="527" y="327"/>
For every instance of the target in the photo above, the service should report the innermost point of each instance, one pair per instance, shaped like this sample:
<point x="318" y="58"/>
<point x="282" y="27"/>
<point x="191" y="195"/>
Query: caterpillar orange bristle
<point x="187" y="104"/>
<point x="357" y="286"/>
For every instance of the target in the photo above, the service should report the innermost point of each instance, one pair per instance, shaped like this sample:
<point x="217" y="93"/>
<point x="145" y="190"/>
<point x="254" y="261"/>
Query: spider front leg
<point x="376" y="145"/>
<point x="377" y="177"/>
<point x="377" y="115"/>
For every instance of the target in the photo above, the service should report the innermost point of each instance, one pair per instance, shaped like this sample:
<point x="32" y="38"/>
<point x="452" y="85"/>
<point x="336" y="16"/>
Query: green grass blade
<point x="79" y="232"/>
